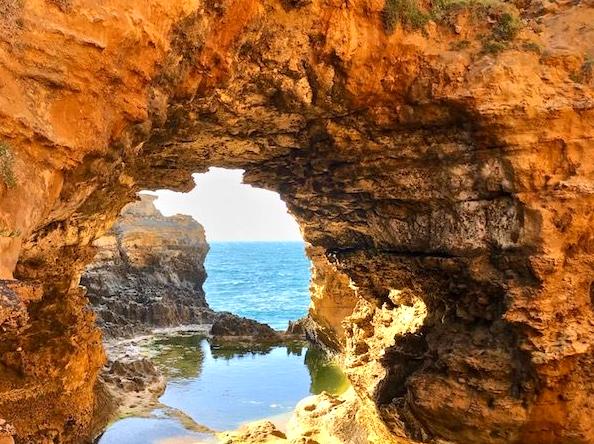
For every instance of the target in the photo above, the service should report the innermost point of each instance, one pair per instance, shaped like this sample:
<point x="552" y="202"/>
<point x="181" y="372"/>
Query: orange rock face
<point x="443" y="178"/>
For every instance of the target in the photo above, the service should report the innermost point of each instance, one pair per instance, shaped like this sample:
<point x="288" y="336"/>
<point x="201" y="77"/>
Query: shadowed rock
<point x="148" y="272"/>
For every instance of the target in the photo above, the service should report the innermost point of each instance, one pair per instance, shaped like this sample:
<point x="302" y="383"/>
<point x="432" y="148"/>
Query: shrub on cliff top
<point x="6" y="165"/>
<point x="411" y="14"/>
<point x="506" y="29"/>
<point x="405" y="12"/>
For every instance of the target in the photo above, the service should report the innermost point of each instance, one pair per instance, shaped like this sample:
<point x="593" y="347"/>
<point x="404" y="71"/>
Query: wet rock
<point x="230" y="325"/>
<point x="297" y="327"/>
<point x="133" y="383"/>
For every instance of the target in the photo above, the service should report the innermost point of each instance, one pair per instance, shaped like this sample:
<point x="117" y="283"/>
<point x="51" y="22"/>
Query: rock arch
<point x="417" y="173"/>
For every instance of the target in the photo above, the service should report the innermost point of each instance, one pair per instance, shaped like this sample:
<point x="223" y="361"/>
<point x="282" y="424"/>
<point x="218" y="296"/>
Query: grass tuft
<point x="532" y="47"/>
<point x="405" y="12"/>
<point x="411" y="15"/>
<point x="507" y="27"/>
<point x="585" y="73"/>
<point x="4" y="232"/>
<point x="459" y="45"/>
<point x="493" y="47"/>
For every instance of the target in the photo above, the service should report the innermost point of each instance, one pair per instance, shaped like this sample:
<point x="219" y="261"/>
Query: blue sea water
<point x="265" y="281"/>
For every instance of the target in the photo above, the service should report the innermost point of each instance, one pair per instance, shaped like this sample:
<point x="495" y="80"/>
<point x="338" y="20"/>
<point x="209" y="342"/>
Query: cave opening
<point x="211" y="278"/>
<point x="256" y="265"/>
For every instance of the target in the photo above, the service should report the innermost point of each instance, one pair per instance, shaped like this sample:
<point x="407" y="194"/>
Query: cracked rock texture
<point x="446" y="193"/>
<point x="148" y="272"/>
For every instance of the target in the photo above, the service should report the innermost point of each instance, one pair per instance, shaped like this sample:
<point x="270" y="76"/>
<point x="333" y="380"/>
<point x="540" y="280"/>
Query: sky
<point x="230" y="210"/>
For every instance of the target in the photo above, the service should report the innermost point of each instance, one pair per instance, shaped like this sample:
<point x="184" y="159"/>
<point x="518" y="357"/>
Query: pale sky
<point x="230" y="210"/>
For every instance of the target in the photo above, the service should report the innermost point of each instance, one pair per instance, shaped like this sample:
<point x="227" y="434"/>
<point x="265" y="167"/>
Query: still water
<point x="219" y="387"/>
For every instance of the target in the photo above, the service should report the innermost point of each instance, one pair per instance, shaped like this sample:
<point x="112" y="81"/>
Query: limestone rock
<point x="261" y="432"/>
<point x="318" y="419"/>
<point x="7" y="431"/>
<point x="148" y="272"/>
<point x="230" y="325"/>
<point x="297" y="327"/>
<point x="133" y="384"/>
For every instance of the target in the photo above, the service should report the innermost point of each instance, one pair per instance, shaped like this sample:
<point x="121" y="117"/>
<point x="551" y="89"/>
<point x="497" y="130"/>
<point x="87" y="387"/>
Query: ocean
<point x="265" y="281"/>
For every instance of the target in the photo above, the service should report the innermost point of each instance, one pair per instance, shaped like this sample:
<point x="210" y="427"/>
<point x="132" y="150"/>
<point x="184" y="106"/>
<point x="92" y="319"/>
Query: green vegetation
<point x="588" y="68"/>
<point x="532" y="47"/>
<point x="459" y="45"/>
<point x="585" y="73"/>
<point x="504" y="16"/>
<point x="493" y="47"/>
<point x="7" y="165"/>
<point x="405" y="12"/>
<point x="505" y="30"/>
<point x="442" y="10"/>
<point x="507" y="27"/>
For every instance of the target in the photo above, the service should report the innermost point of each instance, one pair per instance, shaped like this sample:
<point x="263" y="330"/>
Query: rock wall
<point x="438" y="154"/>
<point x="333" y="299"/>
<point x="148" y="272"/>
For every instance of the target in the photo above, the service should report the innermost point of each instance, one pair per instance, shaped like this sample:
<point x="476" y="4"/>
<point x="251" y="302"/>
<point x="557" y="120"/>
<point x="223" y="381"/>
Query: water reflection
<point x="325" y="375"/>
<point x="178" y="357"/>
<point x="222" y="385"/>
<point x="230" y="350"/>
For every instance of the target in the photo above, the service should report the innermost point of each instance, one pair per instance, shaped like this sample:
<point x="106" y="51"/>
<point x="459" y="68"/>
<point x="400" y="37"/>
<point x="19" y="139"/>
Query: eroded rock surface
<point x="229" y="325"/>
<point x="447" y="176"/>
<point x="318" y="419"/>
<point x="148" y="272"/>
<point x="264" y="432"/>
<point x="132" y="384"/>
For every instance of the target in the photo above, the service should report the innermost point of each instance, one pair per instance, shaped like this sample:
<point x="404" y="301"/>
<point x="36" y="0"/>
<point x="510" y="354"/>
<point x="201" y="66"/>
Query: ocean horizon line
<point x="254" y="241"/>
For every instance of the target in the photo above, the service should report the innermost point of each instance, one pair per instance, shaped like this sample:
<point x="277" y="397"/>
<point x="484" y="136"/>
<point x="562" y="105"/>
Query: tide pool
<point x="222" y="386"/>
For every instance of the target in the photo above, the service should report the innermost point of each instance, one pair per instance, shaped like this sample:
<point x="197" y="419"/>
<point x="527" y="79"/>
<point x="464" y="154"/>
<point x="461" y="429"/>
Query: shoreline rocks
<point x="132" y="381"/>
<point x="148" y="275"/>
<point x="317" y="419"/>
<point x="148" y="272"/>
